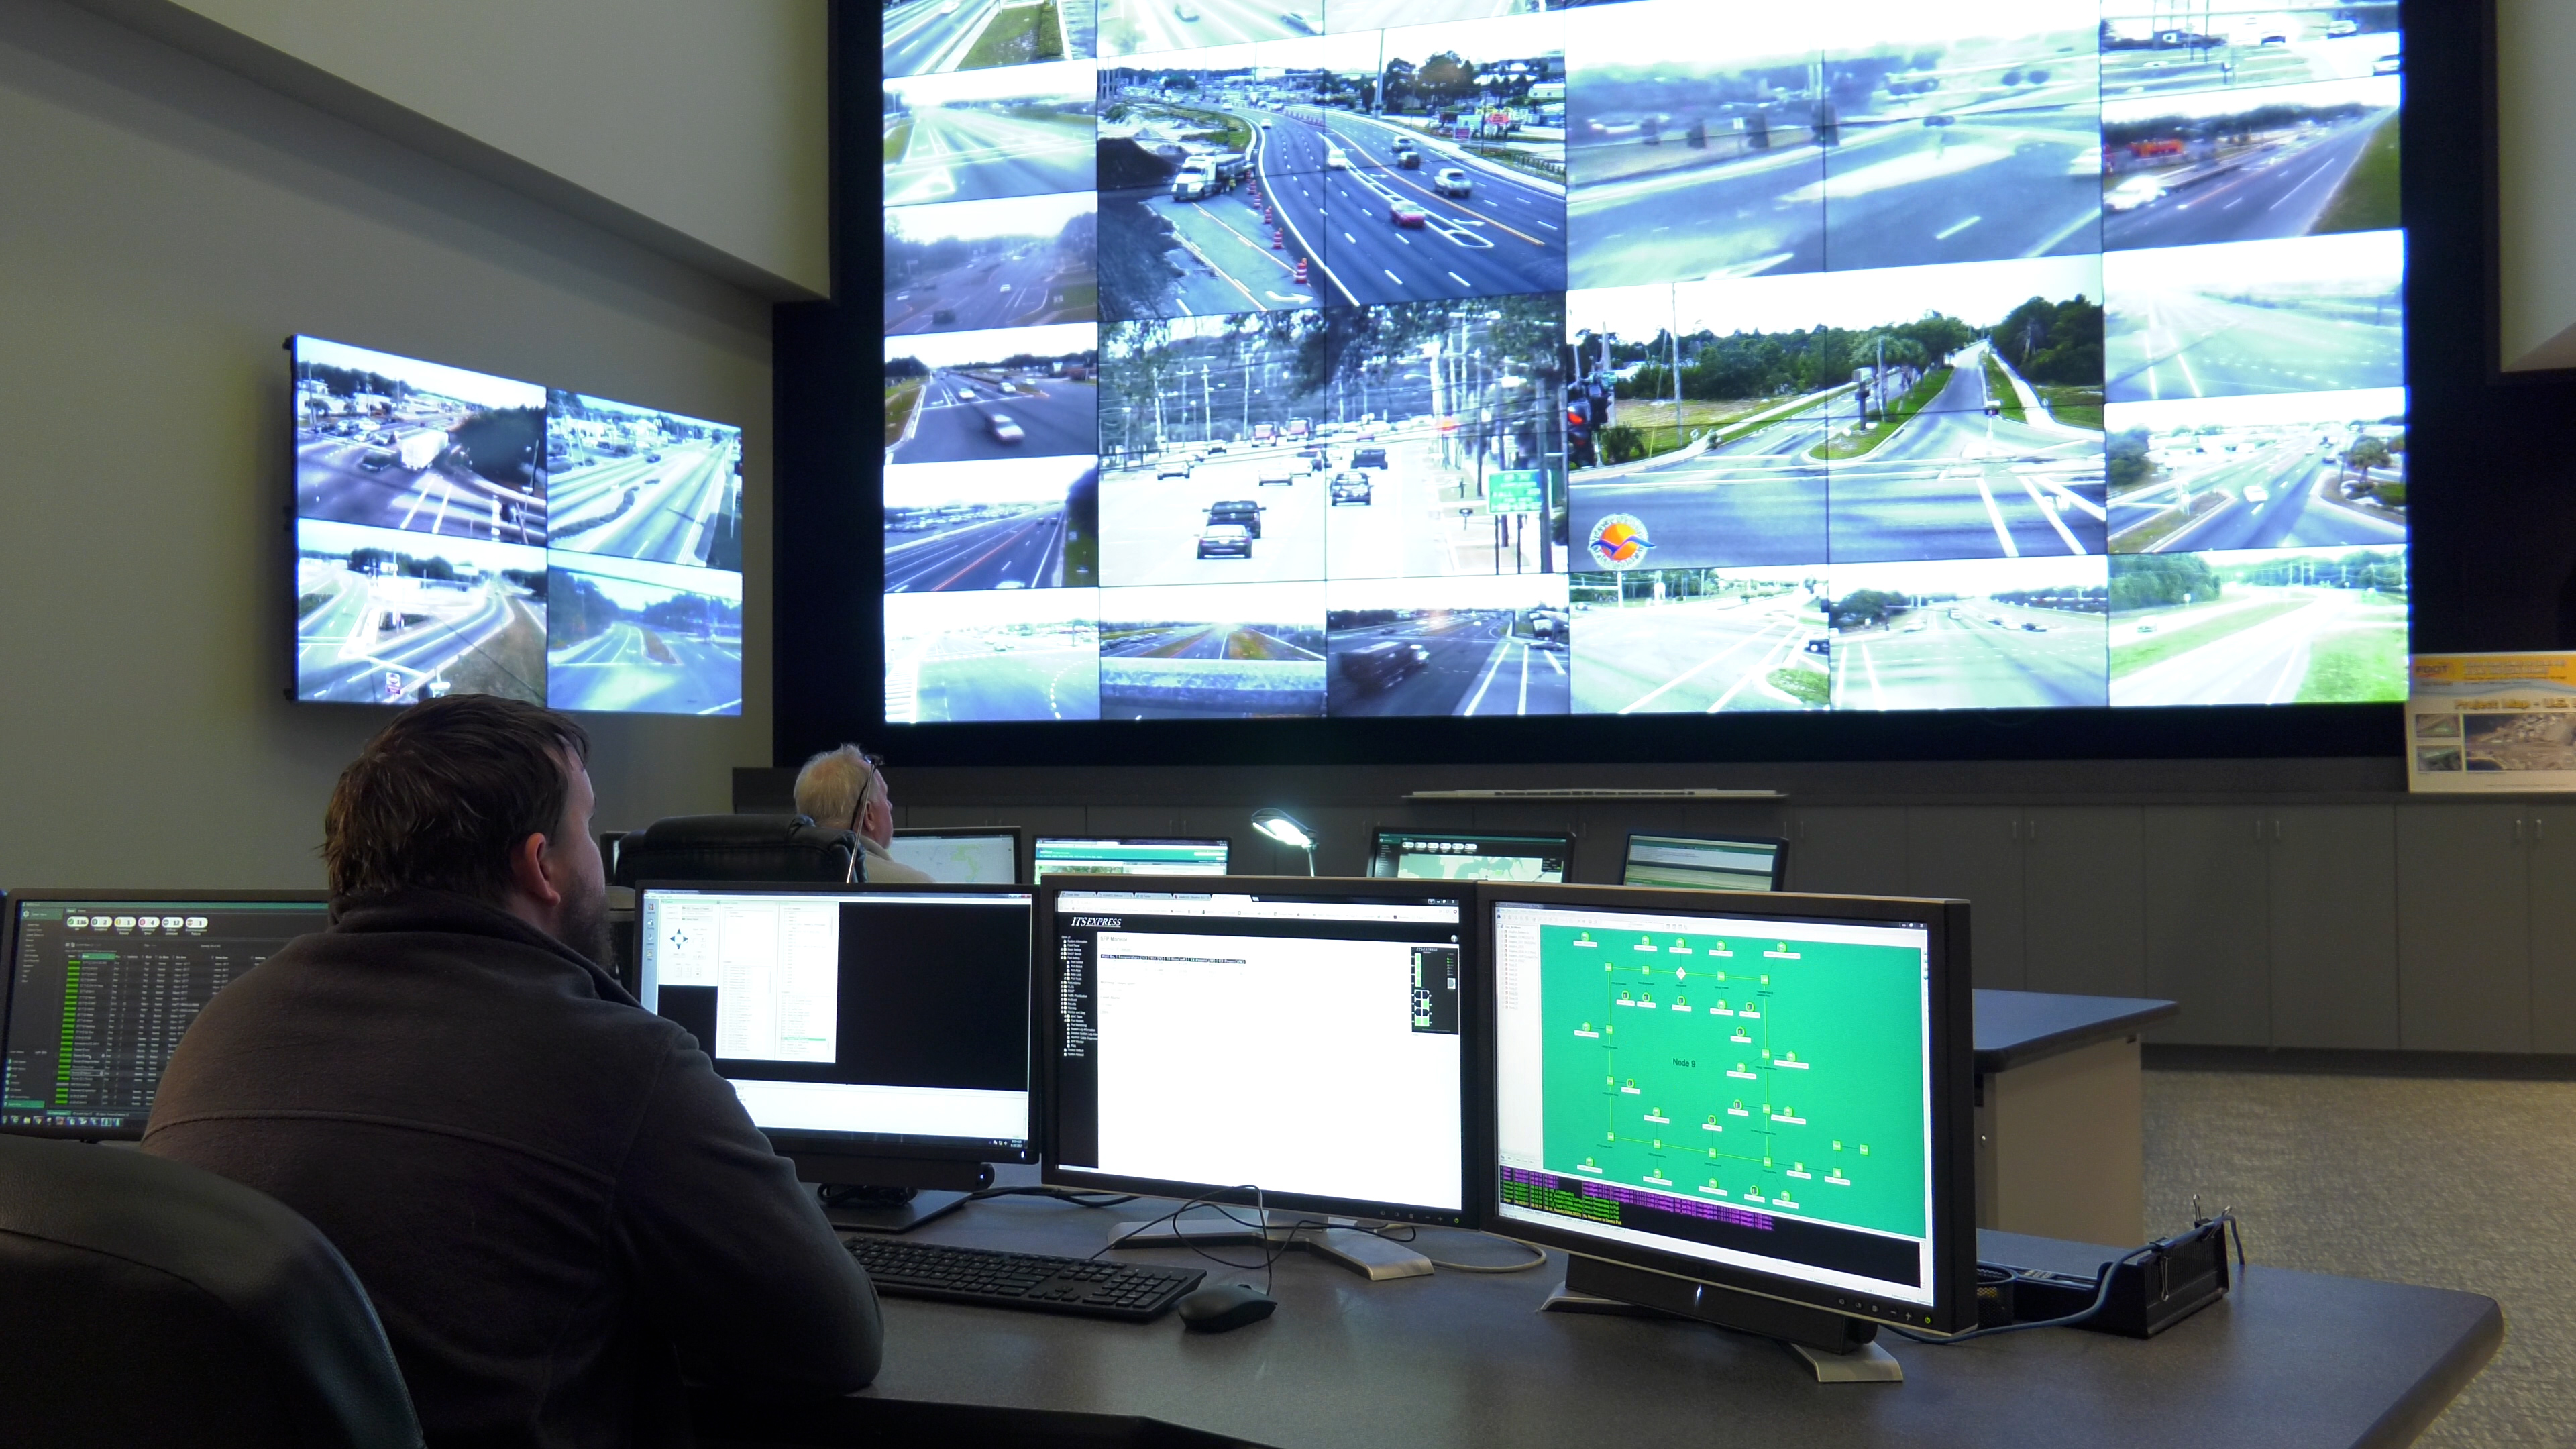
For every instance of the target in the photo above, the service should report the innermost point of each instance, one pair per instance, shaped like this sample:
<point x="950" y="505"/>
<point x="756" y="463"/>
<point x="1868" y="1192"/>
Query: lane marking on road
<point x="1995" y="516"/>
<point x="1877" y="696"/>
<point x="1759" y="636"/>
<point x="1491" y="666"/>
<point x="1392" y="277"/>
<point x="1956" y="227"/>
<point x="1524" y="700"/>
<point x="2045" y="511"/>
<point x="1762" y="671"/>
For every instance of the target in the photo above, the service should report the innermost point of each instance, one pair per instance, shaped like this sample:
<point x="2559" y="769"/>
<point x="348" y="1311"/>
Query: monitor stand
<point x="889" y="1195"/>
<point x="1340" y="1240"/>
<point x="1837" y="1349"/>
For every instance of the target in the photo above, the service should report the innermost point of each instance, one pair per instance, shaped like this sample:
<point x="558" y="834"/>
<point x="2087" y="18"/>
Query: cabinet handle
<point x="2276" y="828"/>
<point x="2517" y="830"/>
<point x="2539" y="824"/>
<point x="2258" y="830"/>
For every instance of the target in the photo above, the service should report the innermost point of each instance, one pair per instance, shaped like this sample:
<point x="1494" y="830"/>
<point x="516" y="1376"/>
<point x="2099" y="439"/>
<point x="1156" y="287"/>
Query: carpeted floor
<point x="2452" y="1183"/>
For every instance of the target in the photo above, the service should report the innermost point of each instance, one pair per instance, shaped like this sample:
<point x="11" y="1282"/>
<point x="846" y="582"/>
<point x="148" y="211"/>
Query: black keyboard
<point x="1131" y="1291"/>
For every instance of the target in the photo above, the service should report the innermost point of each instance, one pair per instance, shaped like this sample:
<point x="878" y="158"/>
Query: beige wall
<point x="698" y="127"/>
<point x="2536" y="182"/>
<point x="164" y="225"/>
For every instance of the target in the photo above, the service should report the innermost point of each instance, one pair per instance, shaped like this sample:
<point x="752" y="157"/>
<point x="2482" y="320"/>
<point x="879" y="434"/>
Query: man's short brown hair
<point x="440" y="798"/>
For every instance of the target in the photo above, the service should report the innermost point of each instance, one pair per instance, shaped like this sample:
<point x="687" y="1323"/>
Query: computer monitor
<point x="1070" y="855"/>
<point x="1767" y="1095"/>
<point x="878" y="1034"/>
<point x="1706" y="862"/>
<point x="1304" y="1039"/>
<point x="965" y="855"/>
<point x="102" y="985"/>
<point x="1469" y="855"/>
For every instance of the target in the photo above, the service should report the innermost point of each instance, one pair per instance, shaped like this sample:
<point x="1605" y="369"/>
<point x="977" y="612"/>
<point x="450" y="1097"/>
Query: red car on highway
<point x="1405" y="213"/>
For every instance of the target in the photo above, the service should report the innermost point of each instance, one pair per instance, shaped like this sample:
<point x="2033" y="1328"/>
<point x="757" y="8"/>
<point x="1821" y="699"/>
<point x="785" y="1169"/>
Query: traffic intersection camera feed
<point x="1468" y="357"/>
<point x="389" y="617"/>
<point x="934" y="37"/>
<point x="395" y="442"/>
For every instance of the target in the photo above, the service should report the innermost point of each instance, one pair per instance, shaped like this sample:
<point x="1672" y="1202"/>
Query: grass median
<point x="901" y="399"/>
<point x="898" y="139"/>
<point x="1016" y="36"/>
<point x="1861" y="444"/>
<point x="1999" y="387"/>
<point x="2076" y="407"/>
<point x="2186" y="636"/>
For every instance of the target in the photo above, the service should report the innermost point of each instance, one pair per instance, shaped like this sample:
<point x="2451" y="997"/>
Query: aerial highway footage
<point x="2323" y="314"/>
<point x="2278" y="628"/>
<point x="1022" y="132"/>
<point x="1021" y="523"/>
<point x="924" y="37"/>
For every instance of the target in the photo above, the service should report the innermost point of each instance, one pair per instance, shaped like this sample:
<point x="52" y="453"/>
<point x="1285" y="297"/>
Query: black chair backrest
<point x="784" y="848"/>
<point x="144" y="1301"/>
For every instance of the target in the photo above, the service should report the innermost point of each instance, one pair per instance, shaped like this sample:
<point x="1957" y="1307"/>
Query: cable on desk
<point x="1061" y="1194"/>
<point x="1537" y="1259"/>
<point x="2101" y="1291"/>
<point x="1261" y="1226"/>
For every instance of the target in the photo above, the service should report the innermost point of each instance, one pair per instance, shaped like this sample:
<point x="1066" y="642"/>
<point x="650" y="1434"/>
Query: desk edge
<point x="2424" y="1401"/>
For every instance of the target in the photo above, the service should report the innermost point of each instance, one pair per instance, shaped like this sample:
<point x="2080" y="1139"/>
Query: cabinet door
<point x="1974" y="852"/>
<point x="2553" y="930"/>
<point x="2463" y="928"/>
<point x="2208" y="927"/>
<point x="1855" y="850"/>
<point x="2084" y="915"/>
<point x="2334" y="926"/>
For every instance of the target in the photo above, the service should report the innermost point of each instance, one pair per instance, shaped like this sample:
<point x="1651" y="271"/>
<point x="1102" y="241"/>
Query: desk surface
<point x="2289" y="1359"/>
<point x="2016" y="1028"/>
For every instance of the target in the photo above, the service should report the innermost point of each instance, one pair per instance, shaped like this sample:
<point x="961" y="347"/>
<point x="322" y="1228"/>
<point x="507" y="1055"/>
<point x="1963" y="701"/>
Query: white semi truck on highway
<point x="420" y="449"/>
<point x="1205" y="174"/>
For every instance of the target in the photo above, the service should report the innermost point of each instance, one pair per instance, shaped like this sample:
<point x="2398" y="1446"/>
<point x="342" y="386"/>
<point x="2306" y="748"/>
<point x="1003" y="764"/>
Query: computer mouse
<point x="1224" y="1307"/>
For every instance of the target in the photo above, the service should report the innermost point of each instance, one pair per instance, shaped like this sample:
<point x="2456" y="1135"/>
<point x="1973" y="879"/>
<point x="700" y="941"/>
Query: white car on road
<point x="2133" y="193"/>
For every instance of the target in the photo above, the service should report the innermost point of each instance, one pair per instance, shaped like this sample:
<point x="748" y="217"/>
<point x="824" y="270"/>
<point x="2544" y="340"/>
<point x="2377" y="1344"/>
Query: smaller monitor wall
<point x="459" y="533"/>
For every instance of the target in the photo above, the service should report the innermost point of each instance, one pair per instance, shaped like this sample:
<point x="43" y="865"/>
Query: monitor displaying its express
<point x="1459" y="855"/>
<point x="883" y="1020"/>
<point x="1753" y="1093"/>
<point x="1332" y="1076"/>
<point x="100" y="990"/>
<point x="1064" y="855"/>
<point x="1353" y="359"/>
<point x="462" y="533"/>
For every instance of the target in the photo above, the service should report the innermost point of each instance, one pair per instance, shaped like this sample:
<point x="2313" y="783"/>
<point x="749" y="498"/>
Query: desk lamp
<point x="1280" y="826"/>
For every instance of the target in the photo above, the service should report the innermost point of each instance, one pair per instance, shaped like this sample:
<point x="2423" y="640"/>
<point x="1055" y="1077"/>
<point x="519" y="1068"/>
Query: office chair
<point x="770" y="848"/>
<point x="149" y="1302"/>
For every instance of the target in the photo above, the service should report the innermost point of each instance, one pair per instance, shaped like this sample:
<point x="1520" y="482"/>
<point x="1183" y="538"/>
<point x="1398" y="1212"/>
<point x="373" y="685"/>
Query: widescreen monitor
<point x="964" y="855"/>
<point x="1469" y="855"/>
<point x="1086" y="855"/>
<point x="1210" y="1034"/>
<point x="102" y="985"/>
<point x="460" y="533"/>
<point x="1348" y="359"/>
<point x="1706" y="862"/>
<point x="1768" y="1094"/>
<point x="877" y="1022"/>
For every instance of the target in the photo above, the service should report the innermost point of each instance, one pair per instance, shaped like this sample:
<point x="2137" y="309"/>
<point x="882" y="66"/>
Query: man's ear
<point x="528" y="871"/>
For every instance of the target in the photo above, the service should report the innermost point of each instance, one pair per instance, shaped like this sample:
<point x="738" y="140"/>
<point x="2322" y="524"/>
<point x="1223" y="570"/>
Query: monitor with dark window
<point x="101" y="987"/>
<point x="1768" y="1095"/>
<point x="1706" y="862"/>
<point x="1469" y="855"/>
<point x="878" y="1034"/>
<point x="1307" y="1041"/>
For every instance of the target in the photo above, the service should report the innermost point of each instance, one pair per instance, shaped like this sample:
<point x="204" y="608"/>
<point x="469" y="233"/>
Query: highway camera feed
<point x="1446" y="358"/>
<point x="462" y="533"/>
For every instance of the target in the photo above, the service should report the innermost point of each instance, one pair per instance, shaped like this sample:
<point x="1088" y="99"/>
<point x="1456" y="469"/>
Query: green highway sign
<point x="1518" y="491"/>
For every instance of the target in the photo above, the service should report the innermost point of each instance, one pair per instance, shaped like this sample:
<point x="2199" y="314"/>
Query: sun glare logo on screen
<point x="1619" y="541"/>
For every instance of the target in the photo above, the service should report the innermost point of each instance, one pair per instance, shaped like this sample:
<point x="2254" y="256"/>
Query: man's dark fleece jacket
<point x="553" y="1200"/>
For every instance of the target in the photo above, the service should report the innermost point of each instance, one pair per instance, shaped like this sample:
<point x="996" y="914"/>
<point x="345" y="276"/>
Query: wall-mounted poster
<point x="2492" y="723"/>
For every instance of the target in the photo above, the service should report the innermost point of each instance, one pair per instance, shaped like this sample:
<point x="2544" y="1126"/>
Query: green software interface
<point x="1057" y="855"/>
<point x="1727" y="1083"/>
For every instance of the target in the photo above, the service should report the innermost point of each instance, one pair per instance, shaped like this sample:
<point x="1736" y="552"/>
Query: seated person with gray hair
<point x="845" y="789"/>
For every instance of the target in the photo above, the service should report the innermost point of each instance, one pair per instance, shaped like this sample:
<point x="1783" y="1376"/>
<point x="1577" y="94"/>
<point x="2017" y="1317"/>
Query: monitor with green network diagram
<point x="1768" y="1096"/>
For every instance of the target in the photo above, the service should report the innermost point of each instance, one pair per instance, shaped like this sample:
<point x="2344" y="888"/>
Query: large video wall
<point x="1341" y="358"/>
